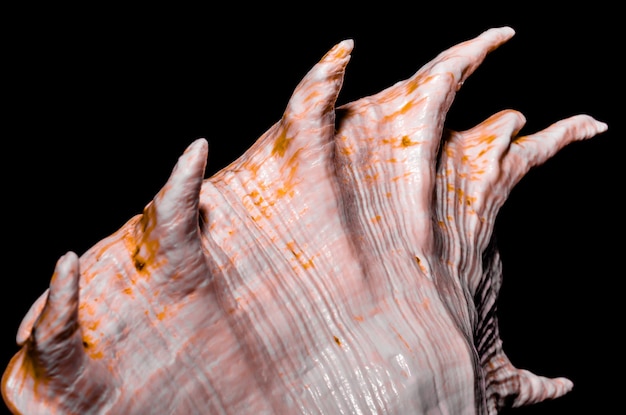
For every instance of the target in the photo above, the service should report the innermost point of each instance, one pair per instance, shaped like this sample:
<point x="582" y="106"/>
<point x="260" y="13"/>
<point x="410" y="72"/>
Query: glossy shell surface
<point x="345" y="263"/>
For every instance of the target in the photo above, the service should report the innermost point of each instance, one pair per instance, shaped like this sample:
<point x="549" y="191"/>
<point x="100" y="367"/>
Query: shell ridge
<point x="345" y="263"/>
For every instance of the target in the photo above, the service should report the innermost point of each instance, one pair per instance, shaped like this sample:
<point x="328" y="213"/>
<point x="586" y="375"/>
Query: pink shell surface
<point x="344" y="263"/>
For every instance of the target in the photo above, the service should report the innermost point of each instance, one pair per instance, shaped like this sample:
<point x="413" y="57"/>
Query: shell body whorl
<point x="345" y="263"/>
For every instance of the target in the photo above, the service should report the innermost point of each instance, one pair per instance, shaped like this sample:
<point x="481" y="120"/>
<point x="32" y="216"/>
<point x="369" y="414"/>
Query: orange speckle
<point x="358" y="318"/>
<point x="376" y="219"/>
<point x="93" y="325"/>
<point x="406" y="108"/>
<point x="88" y="344"/>
<point x="419" y="262"/>
<point x="128" y="291"/>
<point x="337" y="340"/>
<point x="520" y="140"/>
<point x="251" y="167"/>
<point x="406" y="141"/>
<point x="371" y="178"/>
<point x="346" y="151"/>
<point x="88" y="308"/>
<point x="488" y="139"/>
<point x="145" y="248"/>
<point x="304" y="262"/>
<point x="413" y="84"/>
<point x="281" y="144"/>
<point x="308" y="264"/>
<point x="256" y="197"/>
<point x="406" y="344"/>
<point x="285" y="191"/>
<point x="404" y="176"/>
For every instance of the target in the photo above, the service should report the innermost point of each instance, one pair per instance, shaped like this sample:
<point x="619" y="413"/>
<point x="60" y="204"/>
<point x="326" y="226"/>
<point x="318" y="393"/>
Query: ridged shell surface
<point x="344" y="264"/>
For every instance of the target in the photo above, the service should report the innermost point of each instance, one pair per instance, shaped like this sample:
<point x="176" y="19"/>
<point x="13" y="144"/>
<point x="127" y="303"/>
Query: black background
<point x="100" y="103"/>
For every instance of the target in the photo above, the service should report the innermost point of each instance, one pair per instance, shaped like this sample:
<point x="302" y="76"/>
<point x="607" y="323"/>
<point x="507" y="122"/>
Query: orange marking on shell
<point x="403" y="176"/>
<point x="488" y="139"/>
<point x="402" y="339"/>
<point x="299" y="256"/>
<point x="31" y="370"/>
<point x="251" y="167"/>
<point x="421" y="265"/>
<point x="256" y="197"/>
<point x="291" y="180"/>
<point x="415" y="83"/>
<point x="281" y="144"/>
<point x="283" y="191"/>
<point x="312" y="96"/>
<point x="406" y="107"/>
<point x="371" y="177"/>
<point x="87" y="307"/>
<point x="145" y="250"/>
<point x="337" y="53"/>
<point x="93" y="325"/>
<point x="89" y="346"/>
<point x="161" y="315"/>
<point x="308" y="264"/>
<point x="406" y="141"/>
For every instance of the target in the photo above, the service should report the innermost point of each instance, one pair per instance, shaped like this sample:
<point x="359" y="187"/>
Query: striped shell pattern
<point x="344" y="264"/>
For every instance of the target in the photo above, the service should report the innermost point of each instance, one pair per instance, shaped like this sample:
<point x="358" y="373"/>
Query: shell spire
<point x="167" y="237"/>
<point x="505" y="385"/>
<point x="52" y="373"/>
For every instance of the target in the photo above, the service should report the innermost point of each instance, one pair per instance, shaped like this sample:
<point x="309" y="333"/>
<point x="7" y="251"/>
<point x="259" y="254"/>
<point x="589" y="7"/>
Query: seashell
<point x="345" y="263"/>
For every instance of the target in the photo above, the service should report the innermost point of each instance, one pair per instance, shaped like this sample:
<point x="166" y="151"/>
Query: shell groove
<point x="344" y="263"/>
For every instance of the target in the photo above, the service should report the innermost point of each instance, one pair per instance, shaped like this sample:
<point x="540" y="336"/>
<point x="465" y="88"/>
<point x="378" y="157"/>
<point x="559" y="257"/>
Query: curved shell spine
<point x="345" y="262"/>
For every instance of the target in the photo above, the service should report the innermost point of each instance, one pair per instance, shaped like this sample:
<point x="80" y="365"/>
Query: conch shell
<point x="345" y="263"/>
